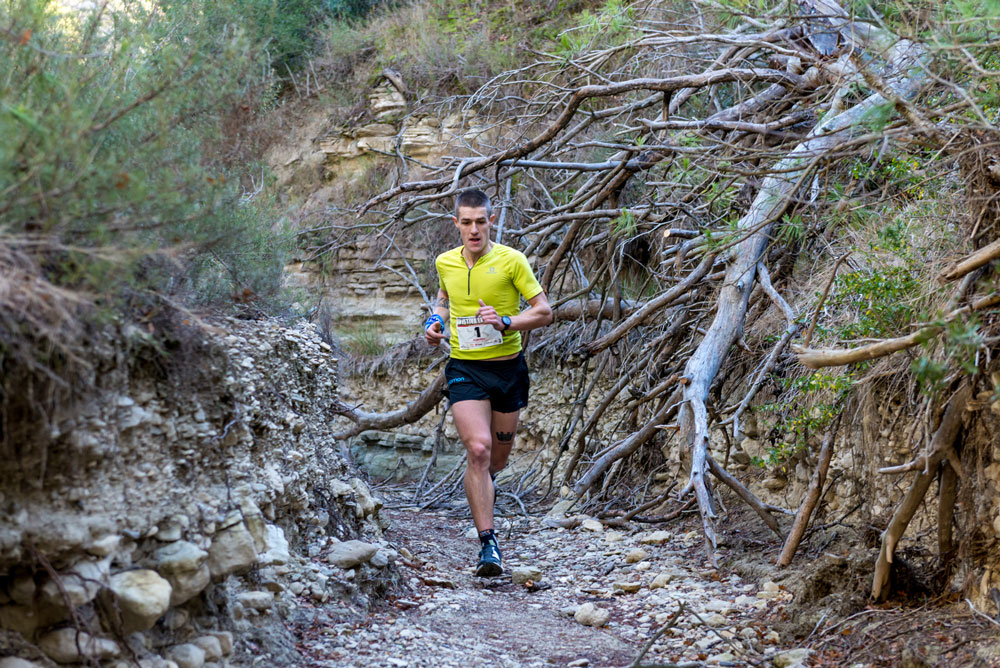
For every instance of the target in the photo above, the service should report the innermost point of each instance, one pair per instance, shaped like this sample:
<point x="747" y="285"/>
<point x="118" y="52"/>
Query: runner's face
<point x="474" y="227"/>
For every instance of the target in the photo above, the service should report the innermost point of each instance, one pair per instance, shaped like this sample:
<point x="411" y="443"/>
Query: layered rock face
<point x="177" y="504"/>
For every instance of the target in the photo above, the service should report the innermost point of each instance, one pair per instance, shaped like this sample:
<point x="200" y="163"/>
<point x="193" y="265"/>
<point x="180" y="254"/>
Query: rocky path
<point x="581" y="596"/>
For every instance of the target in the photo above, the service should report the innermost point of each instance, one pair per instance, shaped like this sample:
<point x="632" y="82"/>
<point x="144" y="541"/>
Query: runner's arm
<point x="434" y="334"/>
<point x="539" y="315"/>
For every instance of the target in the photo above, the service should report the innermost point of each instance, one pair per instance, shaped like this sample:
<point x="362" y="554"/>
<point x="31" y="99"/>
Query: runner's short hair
<point x="473" y="198"/>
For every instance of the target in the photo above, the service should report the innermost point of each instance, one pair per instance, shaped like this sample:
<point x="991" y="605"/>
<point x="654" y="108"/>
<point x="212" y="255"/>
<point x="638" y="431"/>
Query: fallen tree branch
<point x="817" y="358"/>
<point x="627" y="446"/>
<point x="745" y="494"/>
<point x="981" y="257"/>
<point x="410" y="413"/>
<point x="651" y="306"/>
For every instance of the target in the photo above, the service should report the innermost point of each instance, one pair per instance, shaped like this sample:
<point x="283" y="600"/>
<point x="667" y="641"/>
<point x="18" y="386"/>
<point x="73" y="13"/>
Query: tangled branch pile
<point x="673" y="181"/>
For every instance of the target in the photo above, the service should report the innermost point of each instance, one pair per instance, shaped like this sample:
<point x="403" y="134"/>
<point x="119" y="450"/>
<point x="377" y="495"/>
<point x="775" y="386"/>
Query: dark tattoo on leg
<point x="505" y="436"/>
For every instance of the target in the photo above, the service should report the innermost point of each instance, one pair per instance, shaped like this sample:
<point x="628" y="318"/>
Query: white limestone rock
<point x="520" y="576"/>
<point x="184" y="566"/>
<point x="71" y="646"/>
<point x="232" y="551"/>
<point x="656" y="538"/>
<point x="636" y="555"/>
<point x="276" y="547"/>
<point x="256" y="600"/>
<point x="590" y="615"/>
<point x="141" y="597"/>
<point x="187" y="655"/>
<point x="792" y="658"/>
<point x="81" y="584"/>
<point x="14" y="662"/>
<point x="210" y="645"/>
<point x="351" y="553"/>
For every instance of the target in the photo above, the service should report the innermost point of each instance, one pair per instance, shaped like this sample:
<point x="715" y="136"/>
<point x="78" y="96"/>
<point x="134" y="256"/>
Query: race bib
<point x="473" y="333"/>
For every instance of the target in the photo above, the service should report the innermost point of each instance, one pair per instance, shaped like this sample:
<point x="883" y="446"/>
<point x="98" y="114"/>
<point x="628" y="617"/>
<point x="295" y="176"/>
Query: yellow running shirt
<point x="500" y="278"/>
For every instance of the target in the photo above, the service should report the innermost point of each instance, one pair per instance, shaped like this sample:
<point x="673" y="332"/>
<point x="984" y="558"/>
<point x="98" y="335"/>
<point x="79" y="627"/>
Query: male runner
<point x="487" y="375"/>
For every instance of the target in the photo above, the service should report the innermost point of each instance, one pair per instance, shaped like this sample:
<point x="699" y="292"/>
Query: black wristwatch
<point x="506" y="323"/>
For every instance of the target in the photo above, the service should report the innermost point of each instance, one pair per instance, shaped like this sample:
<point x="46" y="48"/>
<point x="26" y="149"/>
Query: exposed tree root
<point x="809" y="501"/>
<point x="941" y="443"/>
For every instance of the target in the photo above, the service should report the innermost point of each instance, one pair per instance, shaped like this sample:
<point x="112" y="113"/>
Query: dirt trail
<point x="442" y="615"/>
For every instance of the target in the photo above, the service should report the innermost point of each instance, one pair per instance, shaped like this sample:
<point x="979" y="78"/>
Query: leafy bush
<point x="109" y="178"/>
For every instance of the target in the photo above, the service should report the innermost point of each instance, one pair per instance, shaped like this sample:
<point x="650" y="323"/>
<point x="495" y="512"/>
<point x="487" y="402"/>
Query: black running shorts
<point x="503" y="382"/>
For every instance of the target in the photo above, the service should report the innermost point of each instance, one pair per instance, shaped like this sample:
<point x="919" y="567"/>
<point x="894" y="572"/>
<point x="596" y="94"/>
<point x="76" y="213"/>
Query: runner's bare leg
<point x="472" y="419"/>
<point x="504" y="427"/>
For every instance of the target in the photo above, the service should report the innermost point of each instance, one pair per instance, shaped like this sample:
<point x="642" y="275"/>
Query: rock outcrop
<point x="177" y="502"/>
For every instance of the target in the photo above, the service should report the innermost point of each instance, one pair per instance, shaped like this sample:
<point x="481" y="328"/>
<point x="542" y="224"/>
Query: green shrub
<point x="110" y="176"/>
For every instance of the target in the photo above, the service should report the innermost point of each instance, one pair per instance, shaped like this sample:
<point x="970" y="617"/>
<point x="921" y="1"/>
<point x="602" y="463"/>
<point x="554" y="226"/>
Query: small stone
<point x="406" y="554"/>
<point x="80" y="584"/>
<point x="642" y="566"/>
<point x="102" y="547"/>
<point x="772" y="638"/>
<point x="724" y="657"/>
<point x="62" y="646"/>
<point x="232" y="551"/>
<point x="748" y="633"/>
<point x="170" y="529"/>
<point x="718" y="605"/>
<point x="275" y="547"/>
<point x="775" y="484"/>
<point x="791" y="657"/>
<point x="22" y="590"/>
<point x="613" y="537"/>
<point x="715" y="619"/>
<point x="636" y="555"/>
<point x="380" y="560"/>
<point x="472" y="534"/>
<point x="590" y="615"/>
<point x="140" y="596"/>
<point x="225" y="639"/>
<point x="256" y="600"/>
<point x="656" y="538"/>
<point x="14" y="662"/>
<point x="184" y="566"/>
<point x="662" y="618"/>
<point x="561" y="508"/>
<point x="769" y="591"/>
<point x="579" y="663"/>
<point x="591" y="524"/>
<point x="624" y="587"/>
<point x="351" y="553"/>
<point x="661" y="580"/>
<point x="211" y="646"/>
<point x="296" y="588"/>
<point x="187" y="655"/>
<point x="524" y="574"/>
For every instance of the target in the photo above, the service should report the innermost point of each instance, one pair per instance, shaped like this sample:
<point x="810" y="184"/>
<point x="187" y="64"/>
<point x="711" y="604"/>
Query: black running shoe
<point x="489" y="562"/>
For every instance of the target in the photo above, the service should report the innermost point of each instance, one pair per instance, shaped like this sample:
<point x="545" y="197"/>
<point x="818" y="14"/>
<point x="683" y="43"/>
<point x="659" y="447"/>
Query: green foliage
<point x="365" y="339"/>
<point x="962" y="341"/>
<point x="625" y="224"/>
<point x="443" y="47"/>
<point x="109" y="171"/>
<point x="809" y="405"/>
<point x="613" y="23"/>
